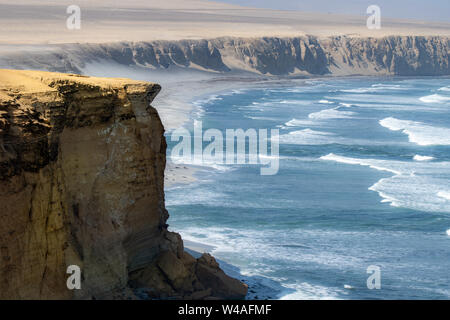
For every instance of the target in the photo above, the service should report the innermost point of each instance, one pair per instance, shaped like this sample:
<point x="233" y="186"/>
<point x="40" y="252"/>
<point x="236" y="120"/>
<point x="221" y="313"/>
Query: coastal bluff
<point x="302" y="56"/>
<point x="82" y="164"/>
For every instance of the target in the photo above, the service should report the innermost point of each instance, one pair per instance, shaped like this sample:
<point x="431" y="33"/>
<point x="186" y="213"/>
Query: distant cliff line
<point x="307" y="56"/>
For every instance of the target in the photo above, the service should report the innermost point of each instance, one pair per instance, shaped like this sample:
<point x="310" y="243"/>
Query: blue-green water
<point x="364" y="180"/>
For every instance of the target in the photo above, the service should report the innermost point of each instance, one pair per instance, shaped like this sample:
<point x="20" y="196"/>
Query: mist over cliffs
<point x="395" y="55"/>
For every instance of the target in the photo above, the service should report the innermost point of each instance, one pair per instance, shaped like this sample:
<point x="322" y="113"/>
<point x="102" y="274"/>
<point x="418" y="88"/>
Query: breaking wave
<point x="418" y="132"/>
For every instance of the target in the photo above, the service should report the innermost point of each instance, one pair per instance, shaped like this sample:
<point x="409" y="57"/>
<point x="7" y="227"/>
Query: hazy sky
<point x="411" y="9"/>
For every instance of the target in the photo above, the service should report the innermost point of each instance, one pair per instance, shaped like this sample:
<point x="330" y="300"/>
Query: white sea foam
<point x="347" y="105"/>
<point x="331" y="114"/>
<point x="291" y="102"/>
<point x="264" y="104"/>
<point x="257" y="106"/>
<point x="203" y="163"/>
<point x="347" y="286"/>
<point x="435" y="98"/>
<point x="414" y="185"/>
<point x="308" y="137"/>
<point x="260" y="118"/>
<point x="374" y="164"/>
<point x="207" y="100"/>
<point x="293" y="123"/>
<point x="444" y="194"/>
<point x="307" y="291"/>
<point x="225" y="242"/>
<point x="314" y="137"/>
<point x="375" y="88"/>
<point x="448" y="232"/>
<point x="200" y="103"/>
<point x="324" y="101"/>
<point x="298" y="123"/>
<point x="382" y="86"/>
<point x="444" y="89"/>
<point x="386" y="102"/>
<point x="360" y="90"/>
<point x="422" y="158"/>
<point x="418" y="132"/>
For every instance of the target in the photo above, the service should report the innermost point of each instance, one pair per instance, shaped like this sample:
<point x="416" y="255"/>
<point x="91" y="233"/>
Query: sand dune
<point x="41" y="22"/>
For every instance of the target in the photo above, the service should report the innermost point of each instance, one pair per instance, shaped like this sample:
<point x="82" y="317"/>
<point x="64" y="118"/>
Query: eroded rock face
<point x="82" y="183"/>
<point x="306" y="55"/>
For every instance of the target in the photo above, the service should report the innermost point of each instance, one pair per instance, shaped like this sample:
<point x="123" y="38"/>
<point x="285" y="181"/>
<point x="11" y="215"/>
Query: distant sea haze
<point x="364" y="180"/>
<point x="437" y="10"/>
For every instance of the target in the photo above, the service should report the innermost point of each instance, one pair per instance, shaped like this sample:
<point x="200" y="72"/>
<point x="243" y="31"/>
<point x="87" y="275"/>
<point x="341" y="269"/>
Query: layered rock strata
<point x="82" y="183"/>
<point x="306" y="55"/>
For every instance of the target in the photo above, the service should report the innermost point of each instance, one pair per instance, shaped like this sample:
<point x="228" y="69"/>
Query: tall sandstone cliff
<point x="82" y="183"/>
<point x="305" y="56"/>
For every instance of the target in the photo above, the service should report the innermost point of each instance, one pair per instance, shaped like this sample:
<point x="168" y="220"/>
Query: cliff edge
<point x="82" y="183"/>
<point x="298" y="56"/>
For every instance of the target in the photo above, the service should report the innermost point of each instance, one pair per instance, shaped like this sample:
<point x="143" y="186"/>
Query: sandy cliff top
<point x="43" y="22"/>
<point x="27" y="81"/>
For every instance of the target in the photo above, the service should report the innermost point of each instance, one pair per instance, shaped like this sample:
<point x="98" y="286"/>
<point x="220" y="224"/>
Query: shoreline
<point x="178" y="105"/>
<point x="303" y="235"/>
<point x="256" y="284"/>
<point x="184" y="175"/>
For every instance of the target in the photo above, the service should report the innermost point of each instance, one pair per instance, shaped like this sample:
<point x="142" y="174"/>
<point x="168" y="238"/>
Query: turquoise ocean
<point x="364" y="180"/>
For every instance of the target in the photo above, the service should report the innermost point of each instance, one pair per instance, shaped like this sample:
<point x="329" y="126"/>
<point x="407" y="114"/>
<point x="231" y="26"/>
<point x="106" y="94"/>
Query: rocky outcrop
<point x="394" y="55"/>
<point x="82" y="183"/>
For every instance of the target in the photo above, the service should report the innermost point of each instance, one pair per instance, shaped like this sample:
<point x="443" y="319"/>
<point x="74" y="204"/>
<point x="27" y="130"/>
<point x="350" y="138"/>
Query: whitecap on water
<point x="435" y="98"/>
<point x="382" y="86"/>
<point x="418" y="132"/>
<point x="379" y="87"/>
<point x="324" y="101"/>
<point x="418" y="157"/>
<point x="307" y="137"/>
<point x="414" y="185"/>
<point x="298" y="123"/>
<point x="331" y="114"/>
<point x="360" y="90"/>
<point x="250" y="243"/>
<point x="380" y="165"/>
<point x="308" y="291"/>
<point x="314" y="137"/>
<point x="347" y="286"/>
<point x="444" y="194"/>
<point x="209" y="99"/>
